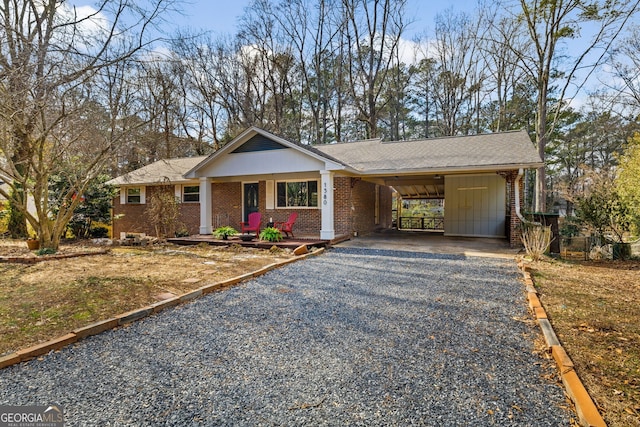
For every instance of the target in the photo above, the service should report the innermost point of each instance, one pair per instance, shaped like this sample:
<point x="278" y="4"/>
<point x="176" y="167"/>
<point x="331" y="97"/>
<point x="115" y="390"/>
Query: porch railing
<point x="422" y="223"/>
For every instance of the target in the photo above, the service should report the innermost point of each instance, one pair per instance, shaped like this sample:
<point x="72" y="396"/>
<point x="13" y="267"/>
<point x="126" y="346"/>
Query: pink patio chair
<point x="253" y="223"/>
<point x="287" y="226"/>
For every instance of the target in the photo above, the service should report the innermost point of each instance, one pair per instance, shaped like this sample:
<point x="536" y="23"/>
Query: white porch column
<point x="205" y="206"/>
<point x="327" y="231"/>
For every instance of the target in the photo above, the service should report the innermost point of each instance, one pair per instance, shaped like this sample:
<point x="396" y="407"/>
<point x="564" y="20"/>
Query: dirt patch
<point x="594" y="309"/>
<point x="49" y="299"/>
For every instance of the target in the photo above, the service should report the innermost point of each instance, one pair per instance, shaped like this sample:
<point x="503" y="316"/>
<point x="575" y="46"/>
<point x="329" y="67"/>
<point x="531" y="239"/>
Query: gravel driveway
<point x="351" y="337"/>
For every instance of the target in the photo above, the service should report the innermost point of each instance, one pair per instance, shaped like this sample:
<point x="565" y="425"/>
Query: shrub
<point x="536" y="240"/>
<point x="99" y="232"/>
<point x="271" y="234"/>
<point x="603" y="210"/>
<point x="163" y="211"/>
<point x="182" y="232"/>
<point x="569" y="227"/>
<point x="45" y="251"/>
<point x="224" y="232"/>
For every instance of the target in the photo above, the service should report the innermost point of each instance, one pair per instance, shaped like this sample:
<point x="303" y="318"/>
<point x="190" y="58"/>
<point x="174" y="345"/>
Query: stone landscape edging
<point x="96" y="328"/>
<point x="587" y="412"/>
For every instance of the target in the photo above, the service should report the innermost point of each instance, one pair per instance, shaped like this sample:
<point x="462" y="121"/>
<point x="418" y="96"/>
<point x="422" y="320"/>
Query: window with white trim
<point x="297" y="194"/>
<point x="190" y="193"/>
<point x="134" y="195"/>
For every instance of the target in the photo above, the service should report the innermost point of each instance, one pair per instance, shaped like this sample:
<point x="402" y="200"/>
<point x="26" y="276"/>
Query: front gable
<point x="257" y="152"/>
<point x="259" y="142"/>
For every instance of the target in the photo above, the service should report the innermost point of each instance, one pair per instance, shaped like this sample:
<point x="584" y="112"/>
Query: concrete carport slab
<point x="433" y="242"/>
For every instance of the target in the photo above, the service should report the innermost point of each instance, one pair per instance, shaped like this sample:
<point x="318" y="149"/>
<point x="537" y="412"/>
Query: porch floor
<point x="288" y="243"/>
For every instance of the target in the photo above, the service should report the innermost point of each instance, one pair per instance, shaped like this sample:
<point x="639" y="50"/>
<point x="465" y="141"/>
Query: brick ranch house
<point x="338" y="189"/>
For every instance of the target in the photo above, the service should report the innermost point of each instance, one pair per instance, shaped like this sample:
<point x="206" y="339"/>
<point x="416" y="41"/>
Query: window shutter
<point x="270" y="195"/>
<point x="123" y="195"/>
<point x="143" y="199"/>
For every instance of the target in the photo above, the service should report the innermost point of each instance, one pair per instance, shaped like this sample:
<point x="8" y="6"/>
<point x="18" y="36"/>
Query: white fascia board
<point x="245" y="136"/>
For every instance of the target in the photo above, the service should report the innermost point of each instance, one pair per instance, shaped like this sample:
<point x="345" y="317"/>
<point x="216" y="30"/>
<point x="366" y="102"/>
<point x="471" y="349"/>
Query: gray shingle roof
<point x="163" y="170"/>
<point x="507" y="149"/>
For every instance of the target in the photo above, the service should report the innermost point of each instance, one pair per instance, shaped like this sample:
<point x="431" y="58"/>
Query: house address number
<point x="324" y="191"/>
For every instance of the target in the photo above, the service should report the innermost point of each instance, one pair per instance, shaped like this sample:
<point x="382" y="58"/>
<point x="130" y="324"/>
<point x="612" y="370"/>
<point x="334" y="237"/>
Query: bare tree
<point x="549" y="24"/>
<point x="373" y="30"/>
<point x="460" y="71"/>
<point x="626" y="64"/>
<point x="505" y="74"/>
<point x="205" y="117"/>
<point x="312" y="31"/>
<point x="50" y="58"/>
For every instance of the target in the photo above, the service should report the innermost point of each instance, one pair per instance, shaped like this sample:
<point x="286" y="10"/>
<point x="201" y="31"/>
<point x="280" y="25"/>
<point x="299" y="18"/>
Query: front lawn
<point x="595" y="310"/>
<point x="45" y="300"/>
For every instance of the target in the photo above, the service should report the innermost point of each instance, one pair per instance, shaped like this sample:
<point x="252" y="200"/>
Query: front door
<point x="250" y="199"/>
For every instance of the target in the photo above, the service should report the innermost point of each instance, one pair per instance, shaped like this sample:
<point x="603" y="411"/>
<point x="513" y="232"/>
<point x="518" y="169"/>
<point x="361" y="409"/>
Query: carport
<point x="473" y="205"/>
<point x="477" y="177"/>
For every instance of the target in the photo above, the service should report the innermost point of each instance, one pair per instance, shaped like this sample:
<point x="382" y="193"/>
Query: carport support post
<point x="327" y="231"/>
<point x="205" y="206"/>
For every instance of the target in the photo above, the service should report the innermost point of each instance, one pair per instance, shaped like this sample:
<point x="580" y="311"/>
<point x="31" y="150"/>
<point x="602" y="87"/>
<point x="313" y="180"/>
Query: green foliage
<point x="602" y="209"/>
<point x="17" y="223"/>
<point x="422" y="208"/>
<point x="271" y="234"/>
<point x="4" y="217"/>
<point x="182" y="232"/>
<point x="627" y="182"/>
<point x="99" y="232"/>
<point x="224" y="232"/>
<point x="45" y="251"/>
<point x="569" y="227"/>
<point x="94" y="206"/>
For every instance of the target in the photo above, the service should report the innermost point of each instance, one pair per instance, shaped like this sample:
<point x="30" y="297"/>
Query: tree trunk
<point x="541" y="142"/>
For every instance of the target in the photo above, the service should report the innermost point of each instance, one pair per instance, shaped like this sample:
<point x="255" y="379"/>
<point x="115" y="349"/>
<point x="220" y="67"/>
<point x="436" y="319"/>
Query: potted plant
<point x="271" y="234"/>
<point x="224" y="232"/>
<point x="33" y="243"/>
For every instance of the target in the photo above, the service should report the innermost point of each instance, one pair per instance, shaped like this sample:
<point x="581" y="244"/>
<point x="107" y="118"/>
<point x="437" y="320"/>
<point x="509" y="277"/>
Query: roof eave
<point x="120" y="183"/>
<point x="448" y="170"/>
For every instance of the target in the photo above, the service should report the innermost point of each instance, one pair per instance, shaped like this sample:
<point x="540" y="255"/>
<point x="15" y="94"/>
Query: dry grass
<point x="48" y="299"/>
<point x="594" y="309"/>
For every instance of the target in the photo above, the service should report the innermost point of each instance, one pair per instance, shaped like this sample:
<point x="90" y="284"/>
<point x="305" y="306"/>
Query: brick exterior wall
<point x="190" y="217"/>
<point x="133" y="218"/>
<point x="354" y="206"/>
<point x="227" y="204"/>
<point x="342" y="218"/>
<point x="130" y="218"/>
<point x="228" y="199"/>
<point x="350" y="195"/>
